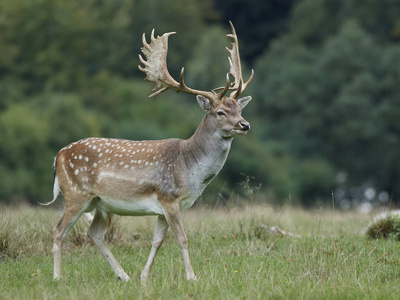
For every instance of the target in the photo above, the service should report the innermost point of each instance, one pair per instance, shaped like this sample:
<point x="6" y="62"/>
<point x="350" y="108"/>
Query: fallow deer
<point x="159" y="178"/>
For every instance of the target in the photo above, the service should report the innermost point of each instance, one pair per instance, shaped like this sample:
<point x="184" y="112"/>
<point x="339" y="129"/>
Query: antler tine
<point x="182" y="84"/>
<point x="243" y="86"/>
<point x="224" y="89"/>
<point x="235" y="66"/>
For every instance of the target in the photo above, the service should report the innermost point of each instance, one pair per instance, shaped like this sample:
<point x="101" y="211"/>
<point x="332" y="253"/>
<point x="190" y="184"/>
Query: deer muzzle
<point x="244" y="125"/>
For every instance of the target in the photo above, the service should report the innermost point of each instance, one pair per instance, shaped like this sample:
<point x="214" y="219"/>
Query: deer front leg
<point x="174" y="220"/>
<point x="158" y="238"/>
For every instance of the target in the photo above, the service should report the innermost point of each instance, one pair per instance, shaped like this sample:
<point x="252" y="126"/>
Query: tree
<point x="313" y="21"/>
<point x="333" y="102"/>
<point x="23" y="142"/>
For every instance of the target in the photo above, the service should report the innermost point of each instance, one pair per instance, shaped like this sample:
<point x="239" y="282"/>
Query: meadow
<point x="234" y="255"/>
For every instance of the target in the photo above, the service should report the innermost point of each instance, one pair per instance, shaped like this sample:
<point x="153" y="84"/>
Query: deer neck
<point x="205" y="153"/>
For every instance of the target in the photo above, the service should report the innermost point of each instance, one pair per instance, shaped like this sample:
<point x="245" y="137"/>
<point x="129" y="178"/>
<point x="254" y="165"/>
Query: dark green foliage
<point x="336" y="102"/>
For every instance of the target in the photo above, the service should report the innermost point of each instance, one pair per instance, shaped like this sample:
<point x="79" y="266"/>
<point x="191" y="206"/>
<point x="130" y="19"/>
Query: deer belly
<point x="135" y="207"/>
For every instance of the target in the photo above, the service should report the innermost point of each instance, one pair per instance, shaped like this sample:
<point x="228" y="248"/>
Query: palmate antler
<point x="155" y="67"/>
<point x="235" y="66"/>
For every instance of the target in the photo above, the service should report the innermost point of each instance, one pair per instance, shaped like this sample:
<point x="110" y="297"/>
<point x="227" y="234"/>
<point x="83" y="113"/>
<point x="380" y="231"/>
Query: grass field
<point x="233" y="256"/>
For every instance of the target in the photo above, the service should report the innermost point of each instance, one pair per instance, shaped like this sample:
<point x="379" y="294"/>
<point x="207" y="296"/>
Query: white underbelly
<point x="135" y="207"/>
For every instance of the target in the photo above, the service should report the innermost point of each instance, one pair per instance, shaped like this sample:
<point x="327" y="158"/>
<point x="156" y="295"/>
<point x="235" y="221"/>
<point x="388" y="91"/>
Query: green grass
<point x="232" y="257"/>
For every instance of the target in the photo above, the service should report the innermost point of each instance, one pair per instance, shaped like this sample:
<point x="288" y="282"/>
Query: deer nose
<point x="244" y="125"/>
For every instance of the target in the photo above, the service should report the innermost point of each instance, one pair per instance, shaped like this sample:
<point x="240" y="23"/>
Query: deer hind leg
<point x="96" y="233"/>
<point x="174" y="220"/>
<point x="71" y="214"/>
<point x="158" y="238"/>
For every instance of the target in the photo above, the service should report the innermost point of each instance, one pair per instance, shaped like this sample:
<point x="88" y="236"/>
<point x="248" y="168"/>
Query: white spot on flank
<point x="86" y="159"/>
<point x="76" y="171"/>
<point x="94" y="165"/>
<point x="80" y="156"/>
<point x="71" y="165"/>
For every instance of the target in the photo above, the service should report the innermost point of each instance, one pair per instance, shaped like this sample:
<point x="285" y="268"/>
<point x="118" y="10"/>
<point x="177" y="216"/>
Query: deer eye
<point x="221" y="113"/>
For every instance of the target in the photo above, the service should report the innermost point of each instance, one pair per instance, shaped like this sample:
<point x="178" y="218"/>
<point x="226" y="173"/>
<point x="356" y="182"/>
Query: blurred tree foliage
<point x="331" y="87"/>
<point x="325" y="91"/>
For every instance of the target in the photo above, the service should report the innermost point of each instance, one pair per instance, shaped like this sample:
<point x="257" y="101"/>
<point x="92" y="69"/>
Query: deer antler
<point x="155" y="67"/>
<point x="235" y="66"/>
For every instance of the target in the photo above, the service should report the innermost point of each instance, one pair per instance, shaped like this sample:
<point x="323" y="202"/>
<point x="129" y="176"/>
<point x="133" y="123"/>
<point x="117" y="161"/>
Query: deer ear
<point x="244" y="101"/>
<point x="204" y="103"/>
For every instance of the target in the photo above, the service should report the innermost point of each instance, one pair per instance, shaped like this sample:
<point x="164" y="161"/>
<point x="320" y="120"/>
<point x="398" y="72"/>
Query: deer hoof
<point x="123" y="277"/>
